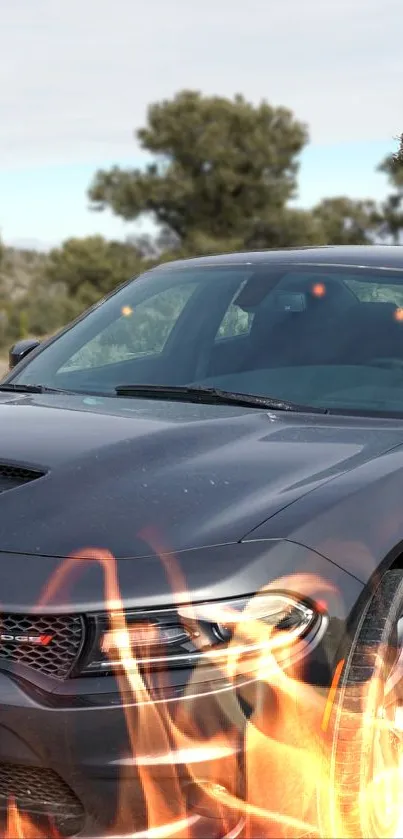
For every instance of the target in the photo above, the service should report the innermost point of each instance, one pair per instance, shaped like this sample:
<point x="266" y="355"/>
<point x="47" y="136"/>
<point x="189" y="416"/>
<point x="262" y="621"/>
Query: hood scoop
<point x="12" y="476"/>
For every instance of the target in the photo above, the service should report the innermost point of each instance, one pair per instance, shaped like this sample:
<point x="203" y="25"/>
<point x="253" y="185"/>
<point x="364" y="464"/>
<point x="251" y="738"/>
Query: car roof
<point x="363" y="256"/>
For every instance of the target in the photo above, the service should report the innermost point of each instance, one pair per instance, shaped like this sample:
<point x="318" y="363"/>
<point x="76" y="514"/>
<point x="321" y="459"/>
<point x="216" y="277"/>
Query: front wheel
<point x="361" y="798"/>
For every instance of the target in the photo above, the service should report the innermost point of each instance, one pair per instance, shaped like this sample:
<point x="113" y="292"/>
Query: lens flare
<point x="319" y="290"/>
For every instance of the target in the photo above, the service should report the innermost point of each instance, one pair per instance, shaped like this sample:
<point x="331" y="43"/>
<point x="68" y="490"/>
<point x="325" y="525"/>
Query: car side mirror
<point x="20" y="350"/>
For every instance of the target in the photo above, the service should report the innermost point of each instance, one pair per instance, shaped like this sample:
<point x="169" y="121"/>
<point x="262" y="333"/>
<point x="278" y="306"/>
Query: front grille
<point x="13" y="476"/>
<point x="62" y="638"/>
<point x="41" y="792"/>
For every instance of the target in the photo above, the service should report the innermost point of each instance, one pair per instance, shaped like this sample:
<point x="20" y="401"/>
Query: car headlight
<point x="200" y="634"/>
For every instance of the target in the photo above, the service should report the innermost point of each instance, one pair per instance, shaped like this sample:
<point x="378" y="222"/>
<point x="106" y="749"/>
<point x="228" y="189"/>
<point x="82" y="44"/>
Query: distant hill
<point x="19" y="267"/>
<point x="26" y="244"/>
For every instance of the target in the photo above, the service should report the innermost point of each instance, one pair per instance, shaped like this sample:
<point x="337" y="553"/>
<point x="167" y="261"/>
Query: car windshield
<point x="329" y="337"/>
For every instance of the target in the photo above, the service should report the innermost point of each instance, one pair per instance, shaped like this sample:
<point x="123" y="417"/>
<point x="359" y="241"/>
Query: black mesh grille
<point x="13" y="476"/>
<point x="61" y="639"/>
<point x="41" y="792"/>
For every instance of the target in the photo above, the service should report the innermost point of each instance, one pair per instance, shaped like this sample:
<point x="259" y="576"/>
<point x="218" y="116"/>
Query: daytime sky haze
<point x="76" y="80"/>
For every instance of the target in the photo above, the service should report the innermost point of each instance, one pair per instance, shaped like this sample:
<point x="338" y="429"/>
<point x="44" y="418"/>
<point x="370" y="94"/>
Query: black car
<point x="213" y="452"/>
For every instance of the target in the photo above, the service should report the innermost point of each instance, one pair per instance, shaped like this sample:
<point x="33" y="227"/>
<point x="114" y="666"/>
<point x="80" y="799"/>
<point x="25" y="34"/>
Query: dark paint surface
<point x="238" y="499"/>
<point x="198" y="476"/>
<point x="194" y="475"/>
<point x="375" y="256"/>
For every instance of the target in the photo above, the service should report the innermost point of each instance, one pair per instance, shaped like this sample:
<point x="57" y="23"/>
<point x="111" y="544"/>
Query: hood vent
<point x="14" y="476"/>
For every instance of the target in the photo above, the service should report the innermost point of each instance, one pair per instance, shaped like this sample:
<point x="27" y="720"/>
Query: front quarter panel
<point x="356" y="520"/>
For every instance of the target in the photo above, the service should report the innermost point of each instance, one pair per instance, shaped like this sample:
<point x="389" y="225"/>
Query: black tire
<point x="346" y="808"/>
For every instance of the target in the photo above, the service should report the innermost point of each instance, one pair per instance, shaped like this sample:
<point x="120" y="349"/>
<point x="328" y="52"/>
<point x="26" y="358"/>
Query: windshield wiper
<point x="212" y="396"/>
<point x="19" y="388"/>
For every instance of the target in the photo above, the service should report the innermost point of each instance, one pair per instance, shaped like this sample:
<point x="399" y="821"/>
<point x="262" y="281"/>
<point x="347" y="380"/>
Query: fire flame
<point x="263" y="770"/>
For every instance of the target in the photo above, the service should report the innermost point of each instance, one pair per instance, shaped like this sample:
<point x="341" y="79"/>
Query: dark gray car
<point x="221" y="436"/>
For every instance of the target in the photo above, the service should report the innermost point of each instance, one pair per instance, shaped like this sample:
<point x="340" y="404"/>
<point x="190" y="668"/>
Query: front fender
<point x="355" y="521"/>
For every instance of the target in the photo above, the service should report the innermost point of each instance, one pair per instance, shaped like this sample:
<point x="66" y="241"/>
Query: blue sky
<point x="48" y="203"/>
<point x="74" y="88"/>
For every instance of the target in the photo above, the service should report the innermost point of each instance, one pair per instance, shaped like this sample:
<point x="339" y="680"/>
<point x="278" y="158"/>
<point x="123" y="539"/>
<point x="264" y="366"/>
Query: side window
<point x="368" y="292"/>
<point x="235" y="322"/>
<point x="139" y="331"/>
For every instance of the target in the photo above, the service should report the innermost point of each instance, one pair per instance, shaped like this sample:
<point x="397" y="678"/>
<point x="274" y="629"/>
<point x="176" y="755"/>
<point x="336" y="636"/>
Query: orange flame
<point x="248" y="747"/>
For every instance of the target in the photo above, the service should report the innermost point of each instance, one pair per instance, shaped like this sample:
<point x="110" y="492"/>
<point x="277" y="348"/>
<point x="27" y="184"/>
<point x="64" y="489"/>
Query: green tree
<point x="289" y="227"/>
<point x="347" y="222"/>
<point x="219" y="167"/>
<point x="21" y="273"/>
<point x="72" y="278"/>
<point x="334" y="221"/>
<point x="87" y="269"/>
<point x="392" y="207"/>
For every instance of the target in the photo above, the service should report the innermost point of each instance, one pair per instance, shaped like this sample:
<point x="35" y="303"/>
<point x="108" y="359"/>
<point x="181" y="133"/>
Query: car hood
<point x="118" y="470"/>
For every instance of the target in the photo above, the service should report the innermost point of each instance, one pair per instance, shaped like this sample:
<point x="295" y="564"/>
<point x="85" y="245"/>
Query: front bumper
<point x="101" y="761"/>
<point x="88" y="768"/>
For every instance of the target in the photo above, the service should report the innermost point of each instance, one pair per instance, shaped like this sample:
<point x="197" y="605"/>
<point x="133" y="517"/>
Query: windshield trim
<point x="274" y="263"/>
